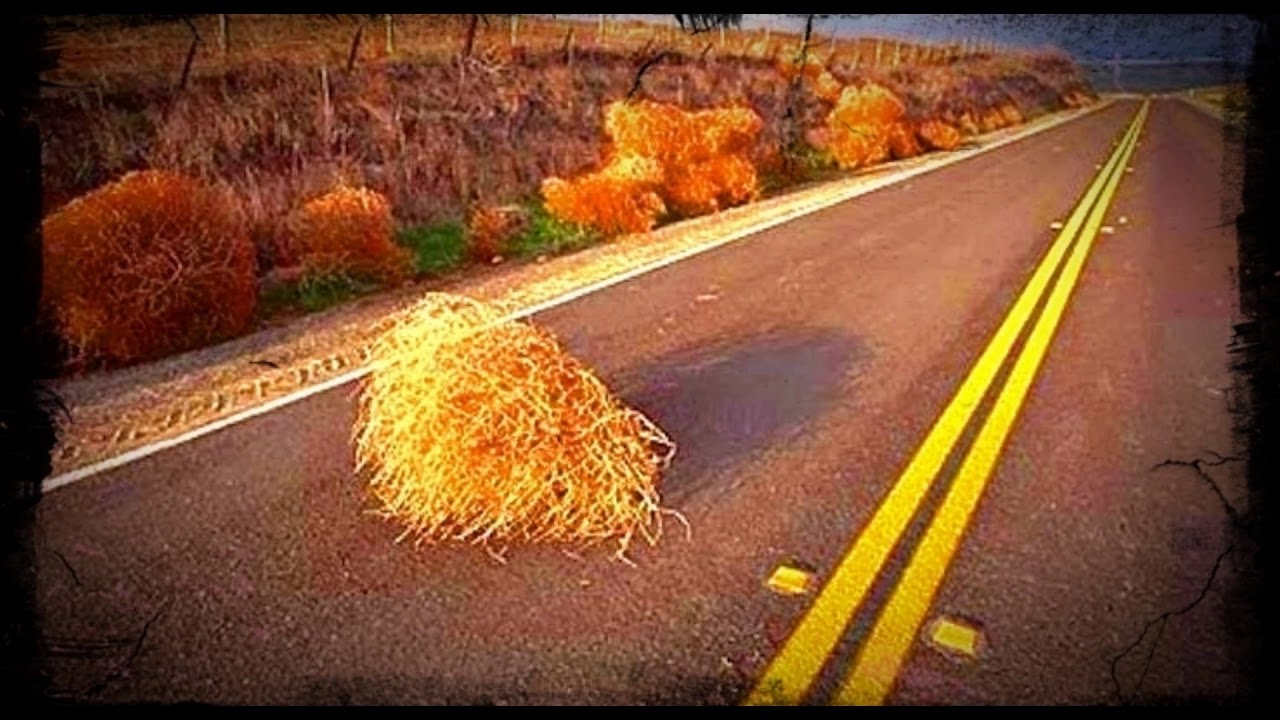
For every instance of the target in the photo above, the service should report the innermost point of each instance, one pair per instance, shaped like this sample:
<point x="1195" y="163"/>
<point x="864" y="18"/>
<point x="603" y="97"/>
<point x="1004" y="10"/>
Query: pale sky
<point x="1087" y="36"/>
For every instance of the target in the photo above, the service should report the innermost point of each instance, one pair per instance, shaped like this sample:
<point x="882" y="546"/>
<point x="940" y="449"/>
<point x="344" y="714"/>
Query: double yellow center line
<point x="790" y="676"/>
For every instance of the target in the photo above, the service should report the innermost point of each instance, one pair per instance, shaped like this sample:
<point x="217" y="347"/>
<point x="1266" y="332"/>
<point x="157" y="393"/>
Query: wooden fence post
<point x="224" y="34"/>
<point x="568" y="47"/>
<point x="515" y="26"/>
<point x="600" y="31"/>
<point x="391" y="34"/>
<point x="326" y="108"/>
<point x="879" y="50"/>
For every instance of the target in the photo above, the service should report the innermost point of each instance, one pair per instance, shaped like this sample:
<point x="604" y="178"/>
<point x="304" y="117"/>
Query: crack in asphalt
<point x="1162" y="620"/>
<point x="74" y="575"/>
<point x="82" y="649"/>
<point x="1199" y="465"/>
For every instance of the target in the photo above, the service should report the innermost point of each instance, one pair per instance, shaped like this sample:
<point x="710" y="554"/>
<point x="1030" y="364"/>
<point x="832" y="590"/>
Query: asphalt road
<point x="797" y="370"/>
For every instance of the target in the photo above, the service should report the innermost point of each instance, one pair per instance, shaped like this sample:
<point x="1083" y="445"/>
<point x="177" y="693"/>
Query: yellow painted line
<point x="886" y="648"/>
<point x="799" y="661"/>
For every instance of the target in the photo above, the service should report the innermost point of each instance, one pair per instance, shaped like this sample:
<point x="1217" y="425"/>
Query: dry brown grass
<point x="160" y="48"/>
<point x="475" y="429"/>
<point x="433" y="133"/>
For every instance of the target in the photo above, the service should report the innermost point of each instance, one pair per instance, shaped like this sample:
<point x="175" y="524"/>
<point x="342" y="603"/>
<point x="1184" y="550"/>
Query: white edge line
<point x="67" y="478"/>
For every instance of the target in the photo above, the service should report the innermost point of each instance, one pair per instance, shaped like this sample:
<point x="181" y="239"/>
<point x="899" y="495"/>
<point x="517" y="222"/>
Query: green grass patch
<point x="278" y="299"/>
<point x="315" y="292"/>
<point x="547" y="235"/>
<point x="437" y="248"/>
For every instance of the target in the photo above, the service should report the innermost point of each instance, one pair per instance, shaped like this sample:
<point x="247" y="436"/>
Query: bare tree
<point x="361" y="21"/>
<point x="473" y="24"/>
<point x="695" y="24"/>
<point x="191" y="54"/>
<point x="792" y="136"/>
<point x="355" y="42"/>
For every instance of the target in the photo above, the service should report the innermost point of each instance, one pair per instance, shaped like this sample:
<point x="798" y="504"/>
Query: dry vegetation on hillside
<point x="444" y="135"/>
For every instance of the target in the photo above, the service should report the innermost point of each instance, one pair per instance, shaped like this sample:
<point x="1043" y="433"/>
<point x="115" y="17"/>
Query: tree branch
<point x="635" y="85"/>
<point x="355" y="45"/>
<point x="191" y="54"/>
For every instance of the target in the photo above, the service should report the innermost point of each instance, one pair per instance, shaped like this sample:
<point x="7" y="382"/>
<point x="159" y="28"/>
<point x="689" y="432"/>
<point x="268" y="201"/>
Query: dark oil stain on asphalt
<point x="723" y="403"/>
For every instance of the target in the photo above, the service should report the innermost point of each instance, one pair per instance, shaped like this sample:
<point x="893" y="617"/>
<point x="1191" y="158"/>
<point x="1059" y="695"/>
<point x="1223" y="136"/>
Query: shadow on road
<point x="722" y="403"/>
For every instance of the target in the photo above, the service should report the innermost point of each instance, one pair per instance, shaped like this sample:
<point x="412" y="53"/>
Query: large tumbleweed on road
<point x="475" y="427"/>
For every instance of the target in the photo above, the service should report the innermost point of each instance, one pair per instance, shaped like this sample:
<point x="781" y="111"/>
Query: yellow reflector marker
<point x="955" y="638"/>
<point x="789" y="580"/>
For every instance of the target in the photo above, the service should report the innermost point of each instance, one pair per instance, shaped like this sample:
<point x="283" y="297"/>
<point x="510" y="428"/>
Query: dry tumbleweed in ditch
<point x="477" y="428"/>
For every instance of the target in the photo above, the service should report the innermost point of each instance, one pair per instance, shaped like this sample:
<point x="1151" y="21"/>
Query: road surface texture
<point x="798" y="370"/>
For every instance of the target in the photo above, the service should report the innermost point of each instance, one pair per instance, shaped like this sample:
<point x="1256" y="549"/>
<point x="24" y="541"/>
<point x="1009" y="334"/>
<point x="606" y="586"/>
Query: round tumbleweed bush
<point x="473" y="427"/>
<point x="151" y="264"/>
